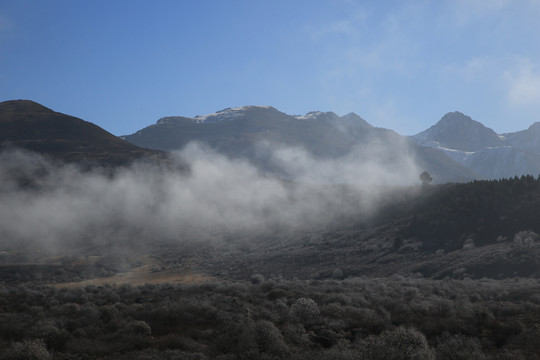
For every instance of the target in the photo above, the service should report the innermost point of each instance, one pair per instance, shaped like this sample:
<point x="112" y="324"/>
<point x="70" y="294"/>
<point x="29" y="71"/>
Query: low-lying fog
<point x="54" y="205"/>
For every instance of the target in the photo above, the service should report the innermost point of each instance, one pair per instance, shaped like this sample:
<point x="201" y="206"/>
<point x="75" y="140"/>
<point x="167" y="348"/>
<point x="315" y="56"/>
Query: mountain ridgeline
<point x="252" y="132"/>
<point x="456" y="149"/>
<point x="236" y="131"/>
<point x="479" y="148"/>
<point x="473" y="151"/>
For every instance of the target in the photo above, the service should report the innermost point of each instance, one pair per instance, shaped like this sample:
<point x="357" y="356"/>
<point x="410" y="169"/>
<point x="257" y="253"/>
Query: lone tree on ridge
<point x="426" y="178"/>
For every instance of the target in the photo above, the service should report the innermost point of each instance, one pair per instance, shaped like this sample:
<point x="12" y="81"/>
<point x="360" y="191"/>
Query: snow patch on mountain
<point x="229" y="114"/>
<point x="317" y="116"/>
<point x="342" y="122"/>
<point x="458" y="131"/>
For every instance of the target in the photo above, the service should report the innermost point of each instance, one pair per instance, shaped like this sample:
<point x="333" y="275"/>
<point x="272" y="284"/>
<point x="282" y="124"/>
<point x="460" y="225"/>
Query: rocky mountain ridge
<point x="479" y="148"/>
<point x="239" y="132"/>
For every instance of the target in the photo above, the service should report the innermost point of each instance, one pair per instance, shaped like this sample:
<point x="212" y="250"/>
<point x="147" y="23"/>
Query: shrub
<point x="28" y="350"/>
<point x="458" y="347"/>
<point x="525" y="238"/>
<point x="257" y="279"/>
<point x="398" y="344"/>
<point x="295" y="334"/>
<point x="305" y="310"/>
<point x="138" y="327"/>
<point x="268" y="338"/>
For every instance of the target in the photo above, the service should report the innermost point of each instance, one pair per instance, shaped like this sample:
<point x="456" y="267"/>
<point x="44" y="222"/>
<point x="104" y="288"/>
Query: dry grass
<point x="146" y="274"/>
<point x="142" y="275"/>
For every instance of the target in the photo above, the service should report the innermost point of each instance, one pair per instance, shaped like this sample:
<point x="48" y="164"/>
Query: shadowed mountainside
<point x="31" y="126"/>
<point x="479" y="229"/>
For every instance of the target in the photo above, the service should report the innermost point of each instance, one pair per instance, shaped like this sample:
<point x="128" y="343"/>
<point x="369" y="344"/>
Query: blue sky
<point x="398" y="64"/>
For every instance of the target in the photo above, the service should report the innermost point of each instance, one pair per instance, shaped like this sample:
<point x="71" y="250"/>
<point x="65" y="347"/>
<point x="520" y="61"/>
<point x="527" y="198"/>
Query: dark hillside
<point x="31" y="126"/>
<point x="478" y="229"/>
<point x="483" y="211"/>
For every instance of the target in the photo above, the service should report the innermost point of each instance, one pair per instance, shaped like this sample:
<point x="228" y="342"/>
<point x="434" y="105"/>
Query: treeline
<point x="485" y="212"/>
<point x="358" y="318"/>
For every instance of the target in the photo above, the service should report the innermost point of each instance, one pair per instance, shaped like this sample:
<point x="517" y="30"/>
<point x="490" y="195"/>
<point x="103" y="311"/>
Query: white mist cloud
<point x="523" y="82"/>
<point x="59" y="205"/>
<point x="370" y="166"/>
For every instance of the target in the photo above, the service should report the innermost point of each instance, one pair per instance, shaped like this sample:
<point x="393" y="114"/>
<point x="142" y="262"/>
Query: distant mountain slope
<point x="237" y="132"/>
<point x="31" y="126"/>
<point x="503" y="162"/>
<point x="527" y="140"/>
<point x="480" y="149"/>
<point x="458" y="131"/>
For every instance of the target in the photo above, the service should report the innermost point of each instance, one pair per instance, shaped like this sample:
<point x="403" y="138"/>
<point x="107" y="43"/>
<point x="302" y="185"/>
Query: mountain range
<point x="246" y="132"/>
<point x="476" y="151"/>
<point x="455" y="149"/>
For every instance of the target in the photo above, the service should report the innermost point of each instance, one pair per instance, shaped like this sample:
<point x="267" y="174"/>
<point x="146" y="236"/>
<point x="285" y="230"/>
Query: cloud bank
<point x="58" y="206"/>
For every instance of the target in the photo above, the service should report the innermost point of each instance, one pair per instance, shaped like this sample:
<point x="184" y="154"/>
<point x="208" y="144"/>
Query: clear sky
<point x="398" y="64"/>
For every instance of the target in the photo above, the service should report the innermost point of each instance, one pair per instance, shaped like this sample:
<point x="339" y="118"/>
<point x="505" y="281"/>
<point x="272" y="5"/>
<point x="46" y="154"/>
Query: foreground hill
<point x="31" y="126"/>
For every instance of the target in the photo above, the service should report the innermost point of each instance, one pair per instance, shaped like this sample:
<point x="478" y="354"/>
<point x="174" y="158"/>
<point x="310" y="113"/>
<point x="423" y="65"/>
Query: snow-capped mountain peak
<point x="318" y="116"/>
<point x="481" y="149"/>
<point x="458" y="131"/>
<point x="229" y="113"/>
